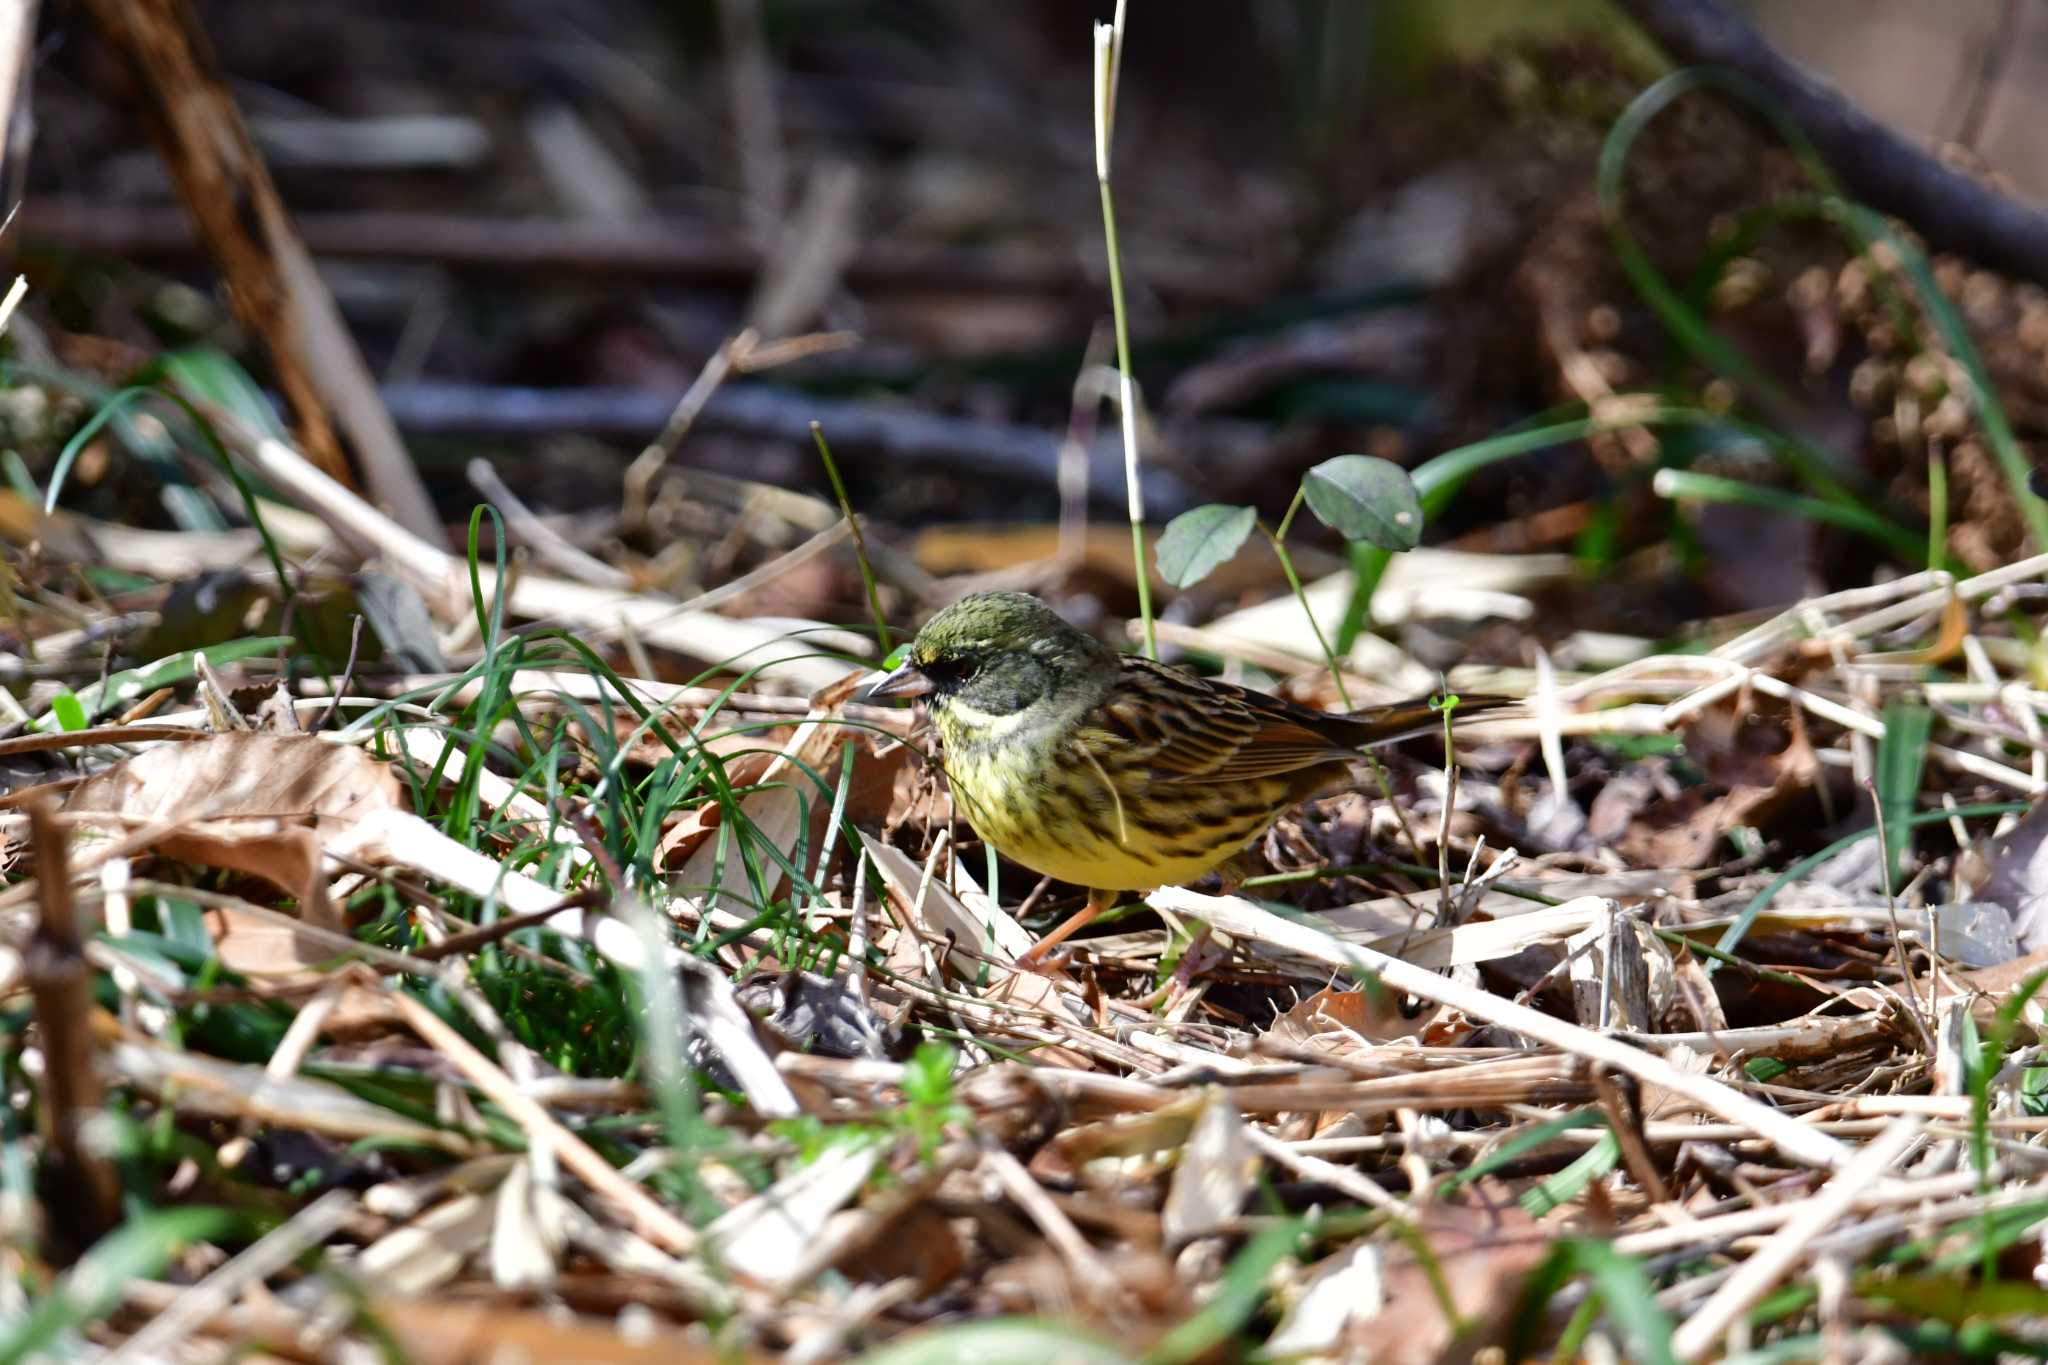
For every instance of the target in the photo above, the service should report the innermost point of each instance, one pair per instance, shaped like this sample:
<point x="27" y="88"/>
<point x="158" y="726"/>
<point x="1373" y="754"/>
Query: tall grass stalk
<point x="860" y="545"/>
<point x="1109" y="52"/>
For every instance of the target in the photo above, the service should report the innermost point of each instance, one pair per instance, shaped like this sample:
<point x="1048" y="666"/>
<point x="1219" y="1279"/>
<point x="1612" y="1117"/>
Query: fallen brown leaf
<point x="1348" y="1021"/>
<point x="248" y="802"/>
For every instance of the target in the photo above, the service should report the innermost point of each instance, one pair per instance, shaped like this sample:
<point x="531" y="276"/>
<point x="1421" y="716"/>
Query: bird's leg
<point x="1098" y="901"/>
<point x="1199" y="956"/>
<point x="1232" y="872"/>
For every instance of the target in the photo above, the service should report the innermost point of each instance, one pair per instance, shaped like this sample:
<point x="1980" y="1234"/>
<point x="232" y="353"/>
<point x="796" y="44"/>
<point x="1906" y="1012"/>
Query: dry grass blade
<point x="1218" y="1167"/>
<point x="648" y="1218"/>
<point x="198" y="1084"/>
<point x="444" y="580"/>
<point x="1090" y="1271"/>
<point x="1699" y="1333"/>
<point x="765" y="1238"/>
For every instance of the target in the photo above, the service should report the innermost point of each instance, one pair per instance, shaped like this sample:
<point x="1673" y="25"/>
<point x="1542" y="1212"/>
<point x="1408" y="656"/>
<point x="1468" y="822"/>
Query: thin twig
<point x="1952" y="209"/>
<point x="528" y="528"/>
<point x="648" y="464"/>
<point x="276" y="1250"/>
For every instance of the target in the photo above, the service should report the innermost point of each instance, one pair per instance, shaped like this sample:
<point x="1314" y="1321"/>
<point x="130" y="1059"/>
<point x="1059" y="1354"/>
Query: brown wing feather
<point x="1187" y="728"/>
<point x="1193" y="729"/>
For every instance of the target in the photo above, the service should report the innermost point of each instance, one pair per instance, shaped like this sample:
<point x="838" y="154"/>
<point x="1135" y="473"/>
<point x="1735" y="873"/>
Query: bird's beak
<point x="905" y="681"/>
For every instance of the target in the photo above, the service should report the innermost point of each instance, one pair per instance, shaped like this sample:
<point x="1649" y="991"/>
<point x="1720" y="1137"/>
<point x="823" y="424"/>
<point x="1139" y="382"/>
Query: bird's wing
<point x="1187" y="728"/>
<point x="1192" y="729"/>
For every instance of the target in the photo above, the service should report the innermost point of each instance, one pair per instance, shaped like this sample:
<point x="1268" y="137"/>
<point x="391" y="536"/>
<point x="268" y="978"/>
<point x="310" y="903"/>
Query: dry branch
<point x="892" y="433"/>
<point x="272" y="283"/>
<point x="1875" y="164"/>
<point x="444" y="580"/>
<point x="672" y="251"/>
<point x="17" y="117"/>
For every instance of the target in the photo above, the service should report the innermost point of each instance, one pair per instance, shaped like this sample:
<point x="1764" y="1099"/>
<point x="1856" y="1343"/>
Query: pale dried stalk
<point x="1091" y="1273"/>
<point x="1340" y="1178"/>
<point x="648" y="1218"/>
<point x="444" y="579"/>
<point x="1941" y="1192"/>
<point x="1536" y="1080"/>
<point x="641" y="474"/>
<point x="1243" y="919"/>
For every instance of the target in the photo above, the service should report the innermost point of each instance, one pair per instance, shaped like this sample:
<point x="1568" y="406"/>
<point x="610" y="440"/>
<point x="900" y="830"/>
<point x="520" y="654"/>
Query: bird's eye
<point x="947" y="673"/>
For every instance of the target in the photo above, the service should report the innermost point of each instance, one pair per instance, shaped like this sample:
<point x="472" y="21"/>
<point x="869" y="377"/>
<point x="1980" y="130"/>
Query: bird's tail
<point x="1401" y="720"/>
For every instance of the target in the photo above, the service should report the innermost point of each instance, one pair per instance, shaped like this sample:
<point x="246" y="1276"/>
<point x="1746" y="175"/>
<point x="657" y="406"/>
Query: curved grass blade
<point x="1684" y="483"/>
<point x="1438" y="480"/>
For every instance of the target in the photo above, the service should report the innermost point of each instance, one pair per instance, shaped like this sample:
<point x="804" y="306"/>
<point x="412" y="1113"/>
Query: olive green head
<point x="1000" y="652"/>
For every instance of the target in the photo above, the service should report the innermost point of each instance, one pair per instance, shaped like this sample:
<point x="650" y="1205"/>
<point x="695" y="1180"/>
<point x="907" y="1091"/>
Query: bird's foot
<point x="1040" y="958"/>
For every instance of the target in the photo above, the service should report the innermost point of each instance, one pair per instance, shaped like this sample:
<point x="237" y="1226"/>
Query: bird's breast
<point x="1067" y="807"/>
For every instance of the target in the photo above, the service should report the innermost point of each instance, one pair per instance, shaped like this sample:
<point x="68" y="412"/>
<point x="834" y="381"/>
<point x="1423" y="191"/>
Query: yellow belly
<point x="1117" y="864"/>
<point x="1064" y="820"/>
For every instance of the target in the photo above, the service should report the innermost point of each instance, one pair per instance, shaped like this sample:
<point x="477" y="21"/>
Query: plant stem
<point x="1301" y="596"/>
<point x="860" y="545"/>
<point x="1127" y="409"/>
<point x="1109" y="52"/>
<point x="1300" y="495"/>
<point x="1443" y="832"/>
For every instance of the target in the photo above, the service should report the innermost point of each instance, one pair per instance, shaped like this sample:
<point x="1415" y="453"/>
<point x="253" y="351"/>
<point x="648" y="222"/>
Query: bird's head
<point x="999" y="652"/>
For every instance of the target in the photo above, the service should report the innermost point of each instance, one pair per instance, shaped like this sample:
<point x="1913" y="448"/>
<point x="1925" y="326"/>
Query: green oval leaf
<point x="1363" y="498"/>
<point x="1195" y="542"/>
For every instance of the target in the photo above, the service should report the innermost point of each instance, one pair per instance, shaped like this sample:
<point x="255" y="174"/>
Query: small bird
<point x="1111" y="771"/>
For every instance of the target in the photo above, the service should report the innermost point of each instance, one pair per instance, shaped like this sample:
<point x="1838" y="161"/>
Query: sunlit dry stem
<point x="76" y="1176"/>
<point x="1109" y="47"/>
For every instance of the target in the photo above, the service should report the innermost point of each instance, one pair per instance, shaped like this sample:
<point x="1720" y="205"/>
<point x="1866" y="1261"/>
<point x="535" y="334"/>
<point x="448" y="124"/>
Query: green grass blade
<point x="1684" y="483"/>
<point x="138" y="1249"/>
<point x="1901" y="757"/>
